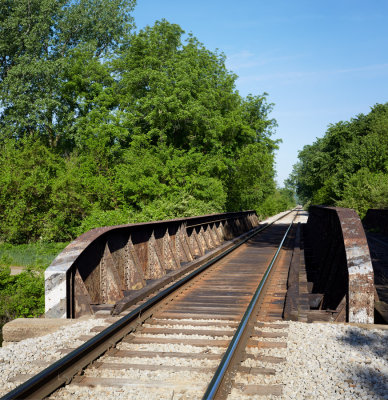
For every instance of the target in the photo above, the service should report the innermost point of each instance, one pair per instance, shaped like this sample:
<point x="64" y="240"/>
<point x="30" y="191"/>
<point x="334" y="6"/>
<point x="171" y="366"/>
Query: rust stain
<point x="114" y="259"/>
<point x="360" y="290"/>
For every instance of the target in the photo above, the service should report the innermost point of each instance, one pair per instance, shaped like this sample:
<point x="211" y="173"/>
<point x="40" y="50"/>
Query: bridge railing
<point x="103" y="265"/>
<point x="342" y="266"/>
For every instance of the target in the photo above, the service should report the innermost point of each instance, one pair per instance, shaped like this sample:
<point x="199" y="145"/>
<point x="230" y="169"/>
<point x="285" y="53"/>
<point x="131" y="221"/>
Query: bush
<point x="28" y="172"/>
<point x="99" y="218"/>
<point x="280" y="200"/>
<point x="21" y="295"/>
<point x="365" y="190"/>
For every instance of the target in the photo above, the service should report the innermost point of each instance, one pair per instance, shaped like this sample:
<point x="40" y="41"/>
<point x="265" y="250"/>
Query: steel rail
<point x="212" y="222"/>
<point x="63" y="370"/>
<point x="218" y="377"/>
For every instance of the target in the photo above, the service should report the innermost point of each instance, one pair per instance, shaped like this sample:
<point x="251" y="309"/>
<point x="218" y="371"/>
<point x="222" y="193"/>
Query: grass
<point x="34" y="255"/>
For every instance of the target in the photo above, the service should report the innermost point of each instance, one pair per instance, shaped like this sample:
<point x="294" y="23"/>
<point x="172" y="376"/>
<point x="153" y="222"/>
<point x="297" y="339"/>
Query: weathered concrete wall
<point x="343" y="265"/>
<point x="105" y="264"/>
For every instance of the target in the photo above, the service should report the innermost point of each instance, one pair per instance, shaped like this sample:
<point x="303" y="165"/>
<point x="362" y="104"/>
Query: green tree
<point x="145" y="126"/>
<point x="38" y="39"/>
<point x="278" y="201"/>
<point x="28" y="173"/>
<point x="176" y="102"/>
<point x="365" y="190"/>
<point x="352" y="156"/>
<point x="252" y="179"/>
<point x="181" y="94"/>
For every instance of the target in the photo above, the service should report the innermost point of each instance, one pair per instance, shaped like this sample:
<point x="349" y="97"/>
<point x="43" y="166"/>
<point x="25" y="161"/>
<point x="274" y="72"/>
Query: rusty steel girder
<point x="344" y="269"/>
<point x="105" y="264"/>
<point x="376" y="219"/>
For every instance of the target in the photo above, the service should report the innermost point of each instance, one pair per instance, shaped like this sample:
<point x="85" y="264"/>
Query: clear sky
<point x="319" y="61"/>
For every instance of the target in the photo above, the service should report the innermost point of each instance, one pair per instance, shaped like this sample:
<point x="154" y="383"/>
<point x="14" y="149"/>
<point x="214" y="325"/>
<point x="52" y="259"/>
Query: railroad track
<point x="197" y="338"/>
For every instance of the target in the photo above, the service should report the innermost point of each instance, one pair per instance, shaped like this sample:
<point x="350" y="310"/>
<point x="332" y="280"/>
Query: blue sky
<point x="319" y="61"/>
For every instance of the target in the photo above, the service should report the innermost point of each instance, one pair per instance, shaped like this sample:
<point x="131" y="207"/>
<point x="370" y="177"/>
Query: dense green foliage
<point x="41" y="43"/>
<point x="101" y="125"/>
<point x="348" y="166"/>
<point x="20" y="295"/>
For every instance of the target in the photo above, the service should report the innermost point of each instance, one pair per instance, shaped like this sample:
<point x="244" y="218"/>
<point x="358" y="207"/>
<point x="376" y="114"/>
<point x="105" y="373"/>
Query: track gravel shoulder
<point x="31" y="356"/>
<point x="324" y="361"/>
<point x="335" y="361"/>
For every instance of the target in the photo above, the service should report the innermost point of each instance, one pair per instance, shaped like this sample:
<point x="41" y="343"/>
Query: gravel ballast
<point x="335" y="361"/>
<point x="25" y="357"/>
<point x="324" y="361"/>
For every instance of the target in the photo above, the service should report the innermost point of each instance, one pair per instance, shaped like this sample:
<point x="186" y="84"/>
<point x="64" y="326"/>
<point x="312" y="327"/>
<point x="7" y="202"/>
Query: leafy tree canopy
<point x="348" y="166"/>
<point x="101" y="125"/>
<point x="39" y="40"/>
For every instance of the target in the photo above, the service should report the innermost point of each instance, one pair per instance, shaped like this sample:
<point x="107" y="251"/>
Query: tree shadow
<point x="371" y="379"/>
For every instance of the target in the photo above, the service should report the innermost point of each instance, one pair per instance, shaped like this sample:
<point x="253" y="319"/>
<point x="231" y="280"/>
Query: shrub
<point x="21" y="295"/>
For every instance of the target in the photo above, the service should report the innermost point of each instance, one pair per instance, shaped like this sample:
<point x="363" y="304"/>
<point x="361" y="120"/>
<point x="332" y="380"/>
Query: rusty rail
<point x="104" y="265"/>
<point x="340" y="264"/>
<point x="237" y="344"/>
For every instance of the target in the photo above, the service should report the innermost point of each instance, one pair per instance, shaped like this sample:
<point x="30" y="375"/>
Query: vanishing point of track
<point x="206" y="321"/>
